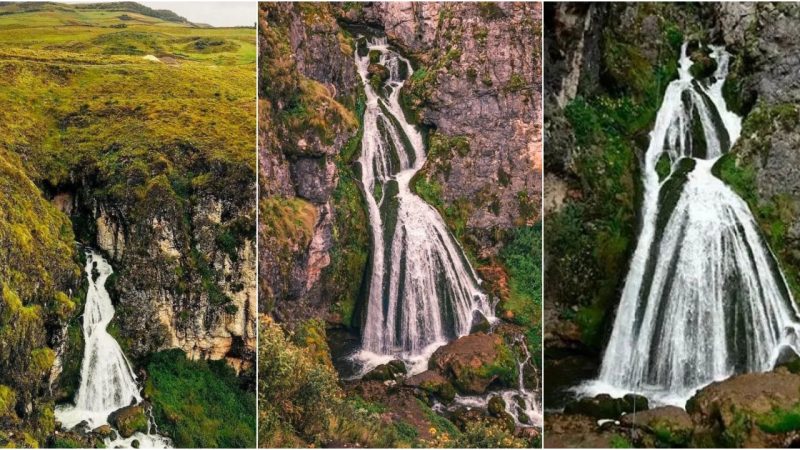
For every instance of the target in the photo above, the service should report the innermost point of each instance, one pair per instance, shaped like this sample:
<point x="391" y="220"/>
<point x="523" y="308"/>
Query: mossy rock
<point x="433" y="383"/>
<point x="129" y="420"/>
<point x="389" y="371"/>
<point x="473" y="362"/>
<point x="704" y="65"/>
<point x="496" y="406"/>
<point x="374" y="56"/>
<point x="378" y="74"/>
<point x="604" y="406"/>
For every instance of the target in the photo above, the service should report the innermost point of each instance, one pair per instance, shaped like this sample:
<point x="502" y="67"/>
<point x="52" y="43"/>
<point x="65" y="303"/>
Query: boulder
<point x="754" y="409"/>
<point x="129" y="420"/>
<point x="389" y="371"/>
<point x="378" y="74"/>
<point x="496" y="406"/>
<point x="604" y="406"/>
<point x="105" y="431"/>
<point x="433" y="383"/>
<point x="670" y="425"/>
<point x="474" y="362"/>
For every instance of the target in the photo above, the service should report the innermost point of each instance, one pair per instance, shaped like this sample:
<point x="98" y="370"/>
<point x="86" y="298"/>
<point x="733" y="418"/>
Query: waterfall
<point x="704" y="298"/>
<point x="422" y="290"/>
<point x="107" y="381"/>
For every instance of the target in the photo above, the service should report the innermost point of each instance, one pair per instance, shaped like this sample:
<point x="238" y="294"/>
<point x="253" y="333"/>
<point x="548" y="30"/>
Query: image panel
<point x="127" y="226"/>
<point x="671" y="225"/>
<point x="399" y="224"/>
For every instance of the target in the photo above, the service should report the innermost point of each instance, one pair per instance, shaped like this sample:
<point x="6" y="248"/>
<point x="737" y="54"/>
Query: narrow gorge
<point x="399" y="159"/>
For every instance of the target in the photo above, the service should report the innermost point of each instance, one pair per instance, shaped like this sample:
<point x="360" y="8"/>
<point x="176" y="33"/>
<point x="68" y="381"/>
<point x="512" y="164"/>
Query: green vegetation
<point x="301" y="402"/>
<point x="200" y="403"/>
<point x="618" y="441"/>
<point x="590" y="238"/>
<point x="780" y="421"/>
<point x="738" y="169"/>
<point x="116" y="105"/>
<point x="523" y="262"/>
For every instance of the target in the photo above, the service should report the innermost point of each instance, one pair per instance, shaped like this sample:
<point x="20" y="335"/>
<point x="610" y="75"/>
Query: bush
<point x="200" y="403"/>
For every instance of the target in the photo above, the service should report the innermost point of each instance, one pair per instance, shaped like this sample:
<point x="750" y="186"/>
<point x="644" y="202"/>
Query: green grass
<point x="522" y="260"/>
<point x="200" y="403"/>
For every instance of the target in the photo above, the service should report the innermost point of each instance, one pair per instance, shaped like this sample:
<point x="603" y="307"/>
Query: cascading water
<point x="521" y="403"/>
<point x="704" y="298"/>
<point x="422" y="290"/>
<point x="107" y="381"/>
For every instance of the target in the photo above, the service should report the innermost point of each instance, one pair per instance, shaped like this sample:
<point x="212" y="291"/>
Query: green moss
<point x="619" y="441"/>
<point x="8" y="400"/>
<point x="522" y="260"/>
<point x="779" y="421"/>
<point x="516" y="83"/>
<point x="200" y="403"/>
<point x="663" y="166"/>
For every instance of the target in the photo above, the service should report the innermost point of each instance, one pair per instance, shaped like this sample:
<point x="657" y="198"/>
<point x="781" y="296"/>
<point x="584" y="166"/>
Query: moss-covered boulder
<point x="129" y="420"/>
<point x="433" y="383"/>
<point x="704" y="65"/>
<point x="604" y="406"/>
<point x="751" y="410"/>
<point x="671" y="426"/>
<point x="389" y="371"/>
<point x="378" y="74"/>
<point x="473" y="362"/>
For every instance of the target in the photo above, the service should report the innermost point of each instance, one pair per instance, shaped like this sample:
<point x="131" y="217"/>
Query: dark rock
<point x="480" y="324"/>
<point x="389" y="371"/>
<point x="496" y="406"/>
<point x="378" y="74"/>
<point x="788" y="359"/>
<point x="604" y="406"/>
<point x="129" y="420"/>
<point x="135" y="443"/>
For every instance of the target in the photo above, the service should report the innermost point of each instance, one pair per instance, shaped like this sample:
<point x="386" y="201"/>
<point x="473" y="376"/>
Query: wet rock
<point x="704" y="66"/>
<point x="129" y="420"/>
<point x="496" y="406"/>
<point x="378" y="74"/>
<point x="434" y="383"/>
<point x="480" y="324"/>
<point x="389" y="371"/>
<point x="789" y="359"/>
<point x="474" y="362"/>
<point x="135" y="443"/>
<point x="604" y="406"/>
<point x="105" y="431"/>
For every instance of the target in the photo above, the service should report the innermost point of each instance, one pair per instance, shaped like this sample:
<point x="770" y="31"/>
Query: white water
<point x="704" y="298"/>
<point x="422" y="290"/>
<point x="107" y="381"/>
<point x="516" y="400"/>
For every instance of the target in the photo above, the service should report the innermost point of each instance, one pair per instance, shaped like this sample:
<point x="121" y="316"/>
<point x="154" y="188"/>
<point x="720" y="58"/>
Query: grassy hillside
<point x="145" y="112"/>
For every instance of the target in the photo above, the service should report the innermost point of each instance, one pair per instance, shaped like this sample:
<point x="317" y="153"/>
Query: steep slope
<point x="133" y="135"/>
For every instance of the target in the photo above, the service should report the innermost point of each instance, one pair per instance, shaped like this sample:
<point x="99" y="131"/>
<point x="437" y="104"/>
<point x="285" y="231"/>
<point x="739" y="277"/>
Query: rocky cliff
<point x="475" y="90"/>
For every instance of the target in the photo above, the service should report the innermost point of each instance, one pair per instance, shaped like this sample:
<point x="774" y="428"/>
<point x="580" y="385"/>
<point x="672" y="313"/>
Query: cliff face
<point x="476" y="90"/>
<point x="477" y="86"/>
<point x="308" y="90"/>
<point x="765" y="89"/>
